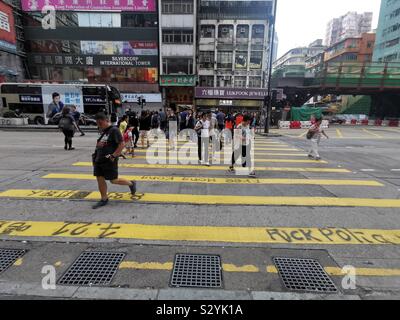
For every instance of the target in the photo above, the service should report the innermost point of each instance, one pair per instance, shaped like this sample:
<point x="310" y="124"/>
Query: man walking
<point x="105" y="159"/>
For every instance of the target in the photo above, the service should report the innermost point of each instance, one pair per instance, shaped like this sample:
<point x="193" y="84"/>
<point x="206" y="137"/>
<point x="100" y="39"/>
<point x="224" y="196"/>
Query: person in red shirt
<point x="238" y="119"/>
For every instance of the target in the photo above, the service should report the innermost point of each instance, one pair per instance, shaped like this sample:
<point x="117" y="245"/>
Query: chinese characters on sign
<point x="30" y="98"/>
<point x="178" y="81"/>
<point x="231" y="93"/>
<point x="83" y="60"/>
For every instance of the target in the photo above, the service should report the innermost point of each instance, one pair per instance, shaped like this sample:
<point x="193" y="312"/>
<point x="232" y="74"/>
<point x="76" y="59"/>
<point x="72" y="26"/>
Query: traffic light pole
<point x="271" y="52"/>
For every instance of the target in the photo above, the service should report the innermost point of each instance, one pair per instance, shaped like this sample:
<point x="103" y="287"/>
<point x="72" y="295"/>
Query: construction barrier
<point x="301" y="124"/>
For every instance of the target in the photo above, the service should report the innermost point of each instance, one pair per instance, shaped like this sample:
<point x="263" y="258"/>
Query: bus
<point x="32" y="99"/>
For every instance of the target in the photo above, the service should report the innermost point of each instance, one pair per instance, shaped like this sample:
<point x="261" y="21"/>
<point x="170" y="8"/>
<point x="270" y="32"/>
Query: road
<point x="341" y="211"/>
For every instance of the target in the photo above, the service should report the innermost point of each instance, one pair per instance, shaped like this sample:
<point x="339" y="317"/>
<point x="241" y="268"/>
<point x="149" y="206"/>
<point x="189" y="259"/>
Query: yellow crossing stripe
<point x="215" y="168"/>
<point x="255" y="153"/>
<point x="228" y="267"/>
<point x="212" y="180"/>
<point x="270" y="235"/>
<point x="174" y="158"/>
<point x="205" y="199"/>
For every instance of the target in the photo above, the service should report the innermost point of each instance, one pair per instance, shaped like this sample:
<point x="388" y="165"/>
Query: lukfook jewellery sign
<point x="231" y="93"/>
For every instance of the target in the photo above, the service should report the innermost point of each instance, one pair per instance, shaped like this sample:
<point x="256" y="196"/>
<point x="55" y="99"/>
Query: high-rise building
<point x="233" y="52"/>
<point x="349" y="25"/>
<point x="95" y="41"/>
<point x="387" y="47"/>
<point x="12" y="51"/>
<point x="178" y="51"/>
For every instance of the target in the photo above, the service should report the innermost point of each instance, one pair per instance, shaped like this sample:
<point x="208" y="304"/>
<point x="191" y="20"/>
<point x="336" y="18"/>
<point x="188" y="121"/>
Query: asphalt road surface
<point x="342" y="211"/>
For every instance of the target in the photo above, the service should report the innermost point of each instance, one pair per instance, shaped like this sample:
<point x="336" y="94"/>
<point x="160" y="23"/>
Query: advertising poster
<point x="7" y="28"/>
<point x="67" y="5"/>
<point x="69" y="94"/>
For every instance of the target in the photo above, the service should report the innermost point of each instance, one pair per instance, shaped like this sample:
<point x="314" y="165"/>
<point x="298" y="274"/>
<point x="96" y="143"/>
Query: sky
<point x="300" y="22"/>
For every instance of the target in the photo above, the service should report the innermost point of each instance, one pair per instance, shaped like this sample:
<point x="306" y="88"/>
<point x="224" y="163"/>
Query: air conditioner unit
<point x="242" y="30"/>
<point x="207" y="59"/>
<point x="225" y="30"/>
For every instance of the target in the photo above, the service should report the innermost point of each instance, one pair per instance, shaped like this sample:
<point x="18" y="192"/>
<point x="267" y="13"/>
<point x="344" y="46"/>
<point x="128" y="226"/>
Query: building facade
<point x="294" y="61"/>
<point x="387" y="47"/>
<point x="12" y="51"/>
<point x="349" y="25"/>
<point x="354" y="49"/>
<point x="233" y="51"/>
<point x="177" y="38"/>
<point x="95" y="41"/>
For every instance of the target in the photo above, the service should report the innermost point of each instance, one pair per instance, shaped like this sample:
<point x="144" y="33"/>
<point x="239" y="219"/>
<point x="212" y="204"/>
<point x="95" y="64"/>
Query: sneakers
<point x="252" y="174"/>
<point x="100" y="204"/>
<point x="82" y="134"/>
<point x="71" y="148"/>
<point x="231" y="170"/>
<point x="133" y="188"/>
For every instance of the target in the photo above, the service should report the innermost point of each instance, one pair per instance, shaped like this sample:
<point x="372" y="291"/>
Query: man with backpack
<point x="67" y="125"/>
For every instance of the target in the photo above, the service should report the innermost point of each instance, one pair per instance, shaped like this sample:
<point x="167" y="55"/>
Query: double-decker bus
<point x="33" y="99"/>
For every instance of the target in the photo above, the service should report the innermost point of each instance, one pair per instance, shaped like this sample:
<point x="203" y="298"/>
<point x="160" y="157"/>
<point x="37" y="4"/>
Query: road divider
<point x="230" y="181"/>
<point x="216" y="168"/>
<point x="219" y="234"/>
<point x="204" y="199"/>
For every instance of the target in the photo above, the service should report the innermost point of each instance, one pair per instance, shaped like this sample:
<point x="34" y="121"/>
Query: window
<point x="177" y="65"/>
<point x="240" y="82"/>
<point x="256" y="59"/>
<point x="207" y="31"/>
<point x="139" y="20"/>
<point x="241" y="60"/>
<point x="177" y="36"/>
<point x="206" y="59"/>
<point x="225" y="31"/>
<point x="224" y="59"/>
<point x="224" y="81"/>
<point x="242" y="31"/>
<point x="254" y="82"/>
<point x="258" y="31"/>
<point x="206" y="81"/>
<point x="177" y="6"/>
<point x="99" y="20"/>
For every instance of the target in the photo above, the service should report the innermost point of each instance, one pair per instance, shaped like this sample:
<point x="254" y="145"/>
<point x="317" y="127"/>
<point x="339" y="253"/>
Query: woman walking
<point x="314" y="135"/>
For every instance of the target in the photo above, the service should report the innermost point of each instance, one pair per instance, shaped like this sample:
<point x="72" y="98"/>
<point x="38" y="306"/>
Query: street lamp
<point x="271" y="52"/>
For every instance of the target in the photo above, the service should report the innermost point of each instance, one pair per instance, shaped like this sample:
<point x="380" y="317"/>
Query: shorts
<point x="108" y="170"/>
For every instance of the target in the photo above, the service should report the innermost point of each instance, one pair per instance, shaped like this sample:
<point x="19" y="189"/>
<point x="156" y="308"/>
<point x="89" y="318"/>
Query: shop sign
<point x="178" y="80"/>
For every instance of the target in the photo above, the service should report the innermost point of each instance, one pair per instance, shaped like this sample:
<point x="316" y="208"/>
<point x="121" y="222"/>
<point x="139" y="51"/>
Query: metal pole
<point x="271" y="52"/>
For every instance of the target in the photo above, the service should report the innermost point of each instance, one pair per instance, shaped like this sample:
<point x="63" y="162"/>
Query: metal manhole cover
<point x="197" y="270"/>
<point x="8" y="257"/>
<point x="92" y="268"/>
<point x="304" y="275"/>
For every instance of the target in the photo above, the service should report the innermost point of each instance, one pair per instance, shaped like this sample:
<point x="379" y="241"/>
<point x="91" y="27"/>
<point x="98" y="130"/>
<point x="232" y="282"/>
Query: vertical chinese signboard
<point x="7" y="28"/>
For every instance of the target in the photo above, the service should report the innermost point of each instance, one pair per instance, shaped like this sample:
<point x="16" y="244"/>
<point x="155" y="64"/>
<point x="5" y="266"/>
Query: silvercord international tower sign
<point x="125" y="61"/>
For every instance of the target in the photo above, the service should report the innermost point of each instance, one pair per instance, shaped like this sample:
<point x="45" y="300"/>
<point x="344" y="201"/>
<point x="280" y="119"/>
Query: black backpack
<point x="66" y="123"/>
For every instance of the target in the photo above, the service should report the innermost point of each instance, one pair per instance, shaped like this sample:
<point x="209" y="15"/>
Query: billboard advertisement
<point x="74" y="5"/>
<point x="7" y="28"/>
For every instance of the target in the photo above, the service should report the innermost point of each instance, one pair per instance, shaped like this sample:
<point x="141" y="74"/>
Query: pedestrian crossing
<point x="159" y="178"/>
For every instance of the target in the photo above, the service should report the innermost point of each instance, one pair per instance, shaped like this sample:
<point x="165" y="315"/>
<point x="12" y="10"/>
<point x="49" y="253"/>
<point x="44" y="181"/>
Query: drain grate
<point x="304" y="275"/>
<point x="8" y="257"/>
<point x="197" y="270"/>
<point x="95" y="268"/>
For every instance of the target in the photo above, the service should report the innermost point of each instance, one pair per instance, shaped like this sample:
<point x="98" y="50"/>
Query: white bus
<point x="32" y="99"/>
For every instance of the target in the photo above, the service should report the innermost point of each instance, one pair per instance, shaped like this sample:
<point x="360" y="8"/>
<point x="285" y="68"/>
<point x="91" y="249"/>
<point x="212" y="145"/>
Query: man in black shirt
<point x="105" y="159"/>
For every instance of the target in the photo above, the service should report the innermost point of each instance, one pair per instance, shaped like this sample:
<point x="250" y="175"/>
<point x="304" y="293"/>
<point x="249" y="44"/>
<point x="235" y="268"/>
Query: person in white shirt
<point x="314" y="135"/>
<point x="203" y="138"/>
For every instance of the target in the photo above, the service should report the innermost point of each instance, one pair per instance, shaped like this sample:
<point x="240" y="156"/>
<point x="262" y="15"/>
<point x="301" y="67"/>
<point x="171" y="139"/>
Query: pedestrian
<point x="163" y="119"/>
<point x="105" y="159"/>
<point x="203" y="135"/>
<point x="77" y="116"/>
<point x="55" y="106"/>
<point x="144" y="125"/>
<point x="134" y="123"/>
<point x="67" y="125"/>
<point x="114" y="119"/>
<point x="314" y="135"/>
<point x="155" y="120"/>
<point x="190" y="120"/>
<point x="243" y="138"/>
<point x="220" y="120"/>
<point x="171" y="134"/>
<point x="123" y="124"/>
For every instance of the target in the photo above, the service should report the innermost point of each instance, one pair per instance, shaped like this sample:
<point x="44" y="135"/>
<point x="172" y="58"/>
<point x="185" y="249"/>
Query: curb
<point x="102" y="293"/>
